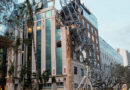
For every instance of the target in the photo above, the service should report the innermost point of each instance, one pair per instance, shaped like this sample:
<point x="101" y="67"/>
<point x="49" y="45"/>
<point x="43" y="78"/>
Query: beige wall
<point x="123" y="53"/>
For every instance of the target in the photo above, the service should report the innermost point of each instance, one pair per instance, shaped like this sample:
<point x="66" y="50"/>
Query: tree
<point x="111" y="76"/>
<point x="5" y="42"/>
<point x="5" y="10"/>
<point x="25" y="13"/>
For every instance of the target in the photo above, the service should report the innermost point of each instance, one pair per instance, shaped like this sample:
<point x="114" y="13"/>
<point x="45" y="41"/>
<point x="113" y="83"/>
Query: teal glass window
<point x="38" y="45"/>
<point x="39" y="23"/>
<point x="48" y="45"/>
<point x="34" y="18"/>
<point x="38" y="48"/>
<point x="39" y="16"/>
<point x="48" y="14"/>
<point x="58" y="52"/>
<point x="50" y="4"/>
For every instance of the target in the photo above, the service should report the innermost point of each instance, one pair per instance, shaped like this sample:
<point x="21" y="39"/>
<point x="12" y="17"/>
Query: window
<point x="83" y="22"/>
<point x="39" y="25"/>
<point x="39" y="16"/>
<point x="75" y="70"/>
<point x="38" y="44"/>
<point x="89" y="35"/>
<point x="92" y="29"/>
<point x="81" y="58"/>
<point x="95" y="33"/>
<point x="60" y="84"/>
<point x="82" y="72"/>
<point x="58" y="52"/>
<point x="50" y="4"/>
<point x="96" y="41"/>
<point x="98" y="57"/>
<point x="48" y="14"/>
<point x="34" y="18"/>
<point x="74" y="56"/>
<point x="48" y="45"/>
<point x="93" y="38"/>
<point x="87" y="25"/>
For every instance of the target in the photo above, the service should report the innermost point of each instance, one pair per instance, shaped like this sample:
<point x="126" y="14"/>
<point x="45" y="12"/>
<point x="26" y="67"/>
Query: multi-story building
<point x="66" y="39"/>
<point x="108" y="54"/>
<point x="126" y="56"/>
<point x="109" y="59"/>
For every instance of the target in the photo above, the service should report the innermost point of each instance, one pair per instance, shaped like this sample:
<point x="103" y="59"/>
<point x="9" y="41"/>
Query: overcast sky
<point x="113" y="21"/>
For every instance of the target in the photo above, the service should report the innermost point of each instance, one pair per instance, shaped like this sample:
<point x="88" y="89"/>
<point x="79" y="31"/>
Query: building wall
<point x="126" y="56"/>
<point x="78" y="73"/>
<point x="45" y="36"/>
<point x="92" y="33"/>
<point x="108" y="54"/>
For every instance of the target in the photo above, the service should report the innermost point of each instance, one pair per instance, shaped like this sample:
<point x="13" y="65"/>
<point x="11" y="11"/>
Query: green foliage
<point x="53" y="79"/>
<point x="4" y="8"/>
<point x="23" y="71"/>
<point x="30" y="21"/>
<point x="18" y="42"/>
<point x="11" y="69"/>
<point x="45" y="76"/>
<point x="27" y="41"/>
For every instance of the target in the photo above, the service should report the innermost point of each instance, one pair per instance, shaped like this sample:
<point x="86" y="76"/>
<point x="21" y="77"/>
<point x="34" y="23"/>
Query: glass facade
<point x="48" y="45"/>
<point x="109" y="52"/>
<point x="38" y="45"/>
<point x="50" y="4"/>
<point x="48" y="14"/>
<point x="58" y="53"/>
<point x="57" y="4"/>
<point x="90" y="17"/>
<point x="39" y="16"/>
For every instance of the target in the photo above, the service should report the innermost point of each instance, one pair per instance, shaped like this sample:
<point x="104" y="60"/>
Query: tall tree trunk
<point x="30" y="24"/>
<point x="15" y="69"/>
<point x="4" y="68"/>
<point x="37" y="71"/>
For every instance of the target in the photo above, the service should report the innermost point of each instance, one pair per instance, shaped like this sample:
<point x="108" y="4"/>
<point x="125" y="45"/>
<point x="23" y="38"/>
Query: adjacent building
<point x="126" y="56"/>
<point x="108" y="54"/>
<point x="109" y="59"/>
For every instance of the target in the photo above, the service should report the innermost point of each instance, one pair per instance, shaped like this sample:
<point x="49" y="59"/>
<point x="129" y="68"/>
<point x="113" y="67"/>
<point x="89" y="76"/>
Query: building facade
<point x="126" y="56"/>
<point x="65" y="49"/>
<point x="109" y="59"/>
<point x="108" y="54"/>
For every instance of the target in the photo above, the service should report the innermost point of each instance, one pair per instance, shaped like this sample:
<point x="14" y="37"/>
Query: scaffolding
<point x="70" y="17"/>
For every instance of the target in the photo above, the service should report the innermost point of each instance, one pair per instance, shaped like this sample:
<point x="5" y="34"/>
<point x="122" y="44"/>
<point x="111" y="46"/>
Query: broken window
<point x="75" y="70"/>
<point x="82" y="72"/>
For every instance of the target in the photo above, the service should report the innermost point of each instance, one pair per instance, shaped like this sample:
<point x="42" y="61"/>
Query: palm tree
<point x="25" y="12"/>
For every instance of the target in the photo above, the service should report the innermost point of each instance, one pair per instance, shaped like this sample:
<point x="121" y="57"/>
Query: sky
<point x="113" y="21"/>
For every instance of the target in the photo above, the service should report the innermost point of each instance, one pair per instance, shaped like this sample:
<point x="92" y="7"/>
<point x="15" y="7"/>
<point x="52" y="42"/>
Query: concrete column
<point x="69" y="73"/>
<point x="53" y="45"/>
<point x="65" y="85"/>
<point x="43" y="45"/>
<point x="54" y="86"/>
<point x="64" y="51"/>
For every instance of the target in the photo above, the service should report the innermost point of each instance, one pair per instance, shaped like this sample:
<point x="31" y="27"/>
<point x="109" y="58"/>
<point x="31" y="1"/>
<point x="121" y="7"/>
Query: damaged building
<point x="67" y="44"/>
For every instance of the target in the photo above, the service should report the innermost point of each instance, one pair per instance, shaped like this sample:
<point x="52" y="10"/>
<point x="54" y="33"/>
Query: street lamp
<point x="29" y="30"/>
<point x="22" y="52"/>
